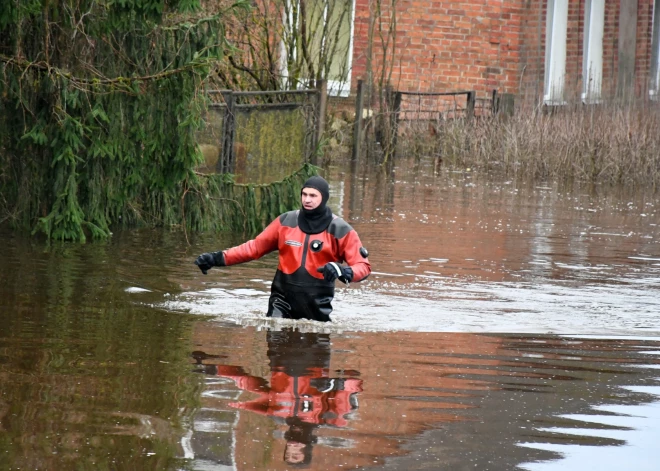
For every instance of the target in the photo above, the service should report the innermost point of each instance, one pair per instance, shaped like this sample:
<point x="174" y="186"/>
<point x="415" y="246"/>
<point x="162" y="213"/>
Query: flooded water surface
<point x="505" y="326"/>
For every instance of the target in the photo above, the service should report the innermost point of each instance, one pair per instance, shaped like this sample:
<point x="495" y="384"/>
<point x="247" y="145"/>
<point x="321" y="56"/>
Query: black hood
<point x="315" y="221"/>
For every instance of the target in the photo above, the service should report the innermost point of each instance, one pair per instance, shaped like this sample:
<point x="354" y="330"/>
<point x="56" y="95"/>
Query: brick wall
<point x="644" y="46"/>
<point x="448" y="45"/>
<point x="491" y="44"/>
<point x="610" y="47"/>
<point x="532" y="48"/>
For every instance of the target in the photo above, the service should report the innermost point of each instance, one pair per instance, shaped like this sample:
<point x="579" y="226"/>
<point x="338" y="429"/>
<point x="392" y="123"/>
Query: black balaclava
<point x="315" y="221"/>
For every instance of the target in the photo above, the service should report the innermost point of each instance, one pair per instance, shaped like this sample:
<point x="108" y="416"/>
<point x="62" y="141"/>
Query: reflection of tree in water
<point x="86" y="375"/>
<point x="300" y="392"/>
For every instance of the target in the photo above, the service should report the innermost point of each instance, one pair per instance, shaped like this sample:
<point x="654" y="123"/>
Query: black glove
<point x="206" y="261"/>
<point x="332" y="271"/>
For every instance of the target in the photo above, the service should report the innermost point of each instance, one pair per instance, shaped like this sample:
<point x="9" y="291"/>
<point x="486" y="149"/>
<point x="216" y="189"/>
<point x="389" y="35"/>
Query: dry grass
<point x="612" y="143"/>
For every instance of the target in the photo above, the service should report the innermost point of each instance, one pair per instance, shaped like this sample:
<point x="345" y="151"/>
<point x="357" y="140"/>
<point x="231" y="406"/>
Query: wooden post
<point x="357" y="128"/>
<point x="396" y="115"/>
<point x="471" y="101"/>
<point x="226" y="161"/>
<point x="321" y="107"/>
<point x="506" y="104"/>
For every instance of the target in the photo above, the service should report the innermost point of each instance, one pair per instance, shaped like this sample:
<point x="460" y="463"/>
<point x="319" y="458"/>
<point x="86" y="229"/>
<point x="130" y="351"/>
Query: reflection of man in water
<point x="299" y="441"/>
<point x="301" y="390"/>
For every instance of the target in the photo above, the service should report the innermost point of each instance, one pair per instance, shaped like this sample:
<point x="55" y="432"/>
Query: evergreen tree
<point x="99" y="104"/>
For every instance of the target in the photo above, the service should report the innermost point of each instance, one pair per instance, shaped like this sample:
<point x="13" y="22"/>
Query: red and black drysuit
<point x="298" y="290"/>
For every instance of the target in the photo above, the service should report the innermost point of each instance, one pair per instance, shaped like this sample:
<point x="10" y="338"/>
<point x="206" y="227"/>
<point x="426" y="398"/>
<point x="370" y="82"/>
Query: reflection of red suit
<point x="313" y="398"/>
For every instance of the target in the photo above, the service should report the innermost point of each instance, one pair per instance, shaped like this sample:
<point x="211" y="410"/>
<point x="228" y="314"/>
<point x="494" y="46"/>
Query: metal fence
<point x="425" y="112"/>
<point x="418" y="106"/>
<point x="444" y="106"/>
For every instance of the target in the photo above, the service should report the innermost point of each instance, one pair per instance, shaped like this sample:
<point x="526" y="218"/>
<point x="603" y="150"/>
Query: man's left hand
<point x="333" y="271"/>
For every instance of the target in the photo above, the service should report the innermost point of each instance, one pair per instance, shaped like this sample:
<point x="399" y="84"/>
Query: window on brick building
<point x="339" y="73"/>
<point x="555" y="51"/>
<point x="654" y="89"/>
<point x="592" y="60"/>
<point x="319" y="43"/>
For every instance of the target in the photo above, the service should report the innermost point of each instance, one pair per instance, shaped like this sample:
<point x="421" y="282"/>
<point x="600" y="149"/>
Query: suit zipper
<point x="304" y="255"/>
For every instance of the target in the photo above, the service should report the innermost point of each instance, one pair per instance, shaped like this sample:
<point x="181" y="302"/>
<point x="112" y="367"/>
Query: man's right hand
<point x="333" y="271"/>
<point x="206" y="261"/>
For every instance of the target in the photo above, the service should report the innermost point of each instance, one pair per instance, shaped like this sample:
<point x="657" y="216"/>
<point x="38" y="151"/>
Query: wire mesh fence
<point x="260" y="137"/>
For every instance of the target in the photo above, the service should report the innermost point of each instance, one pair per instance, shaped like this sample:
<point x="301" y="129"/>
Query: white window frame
<point x="592" y="60"/>
<point x="654" y="82"/>
<point x="555" y="52"/>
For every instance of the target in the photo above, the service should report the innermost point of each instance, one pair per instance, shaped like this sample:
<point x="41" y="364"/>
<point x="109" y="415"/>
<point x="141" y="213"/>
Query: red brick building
<point x="550" y="49"/>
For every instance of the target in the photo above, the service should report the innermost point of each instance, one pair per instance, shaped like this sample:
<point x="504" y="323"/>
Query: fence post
<point x="321" y="104"/>
<point x="396" y="114"/>
<point x="226" y="160"/>
<point x="506" y="104"/>
<point x="357" y="127"/>
<point x="471" y="100"/>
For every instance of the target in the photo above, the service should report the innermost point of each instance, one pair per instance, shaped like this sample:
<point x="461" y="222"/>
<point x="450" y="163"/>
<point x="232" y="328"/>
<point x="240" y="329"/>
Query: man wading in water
<point x="312" y="243"/>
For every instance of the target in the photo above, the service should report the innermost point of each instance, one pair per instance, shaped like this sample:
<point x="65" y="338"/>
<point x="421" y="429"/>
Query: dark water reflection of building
<point x="425" y="401"/>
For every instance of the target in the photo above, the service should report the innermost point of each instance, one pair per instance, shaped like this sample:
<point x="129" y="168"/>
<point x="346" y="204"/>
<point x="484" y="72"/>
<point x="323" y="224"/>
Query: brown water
<point x="505" y="326"/>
